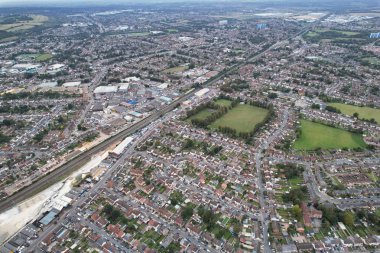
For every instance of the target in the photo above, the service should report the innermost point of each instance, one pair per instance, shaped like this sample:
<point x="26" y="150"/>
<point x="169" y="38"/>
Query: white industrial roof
<point x="162" y="86"/>
<point x="26" y="66"/>
<point x="124" y="86"/>
<point x="56" y="66"/>
<point x="131" y="78"/>
<point x="105" y="89"/>
<point x="48" y="84"/>
<point x="202" y="92"/>
<point x="71" y="84"/>
<point x="120" y="148"/>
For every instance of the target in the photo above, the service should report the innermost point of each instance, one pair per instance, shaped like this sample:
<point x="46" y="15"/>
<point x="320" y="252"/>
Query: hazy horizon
<point x="74" y="3"/>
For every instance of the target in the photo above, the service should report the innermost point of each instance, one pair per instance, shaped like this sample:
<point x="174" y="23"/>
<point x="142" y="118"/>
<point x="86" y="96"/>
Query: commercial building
<point x="71" y="84"/>
<point x="202" y="92"/>
<point x="116" y="152"/>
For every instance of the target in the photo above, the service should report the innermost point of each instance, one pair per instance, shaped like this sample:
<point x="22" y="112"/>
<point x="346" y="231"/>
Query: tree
<point x="356" y="115"/>
<point x="108" y="209"/>
<point x="297" y="212"/>
<point x="296" y="196"/>
<point x="332" y="109"/>
<point x="348" y="218"/>
<point x="4" y="138"/>
<point x="187" y="212"/>
<point x="176" y="197"/>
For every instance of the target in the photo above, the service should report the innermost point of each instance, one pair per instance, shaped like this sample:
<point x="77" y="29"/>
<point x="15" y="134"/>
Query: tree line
<point x="219" y="112"/>
<point x="247" y="135"/>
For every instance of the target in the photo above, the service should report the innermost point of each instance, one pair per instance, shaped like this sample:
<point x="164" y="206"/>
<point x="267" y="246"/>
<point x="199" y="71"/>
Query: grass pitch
<point x="243" y="118"/>
<point x="138" y="34"/>
<point x="44" y="57"/>
<point x="316" y="135"/>
<point x="24" y="25"/>
<point x="202" y="115"/>
<point x="364" y="112"/>
<point x="223" y="102"/>
<point x="175" y="70"/>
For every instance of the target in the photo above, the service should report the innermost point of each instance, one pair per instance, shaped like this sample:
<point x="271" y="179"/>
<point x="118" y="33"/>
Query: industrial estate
<point x="183" y="127"/>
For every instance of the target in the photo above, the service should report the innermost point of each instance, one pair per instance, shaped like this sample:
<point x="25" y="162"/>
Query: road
<point x="258" y="158"/>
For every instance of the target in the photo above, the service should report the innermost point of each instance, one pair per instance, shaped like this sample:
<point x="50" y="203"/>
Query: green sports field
<point x="138" y="34"/>
<point x="202" y="115"/>
<point x="316" y="135"/>
<point x="44" y="57"/>
<point x="223" y="102"/>
<point x="364" y="112"/>
<point x="175" y="70"/>
<point x="242" y="118"/>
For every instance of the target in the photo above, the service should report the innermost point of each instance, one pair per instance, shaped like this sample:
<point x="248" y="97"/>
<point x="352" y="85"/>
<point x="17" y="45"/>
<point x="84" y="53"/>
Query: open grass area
<point x="328" y="35"/>
<point x="201" y="115"/>
<point x="364" y="112"/>
<point x="373" y="177"/>
<point x="24" y="25"/>
<point x="44" y="57"/>
<point x="35" y="57"/>
<point x="138" y="34"/>
<point x="223" y="102"/>
<point x="175" y="70"/>
<point x="371" y="60"/>
<point x="9" y="39"/>
<point x="286" y="214"/>
<point x="349" y="33"/>
<point x="317" y="32"/>
<point x="242" y="118"/>
<point x="316" y="135"/>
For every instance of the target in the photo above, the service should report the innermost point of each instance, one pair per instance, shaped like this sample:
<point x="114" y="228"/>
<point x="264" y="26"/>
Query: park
<point x="364" y="112"/>
<point x="243" y="118"/>
<point x="319" y="136"/>
<point x="229" y="116"/>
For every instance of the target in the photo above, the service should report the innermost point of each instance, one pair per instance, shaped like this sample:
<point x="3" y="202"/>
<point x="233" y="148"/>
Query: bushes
<point x="291" y="170"/>
<point x="332" y="109"/>
<point x="219" y="112"/>
<point x="176" y="197"/>
<point x="4" y="138"/>
<point x="296" y="196"/>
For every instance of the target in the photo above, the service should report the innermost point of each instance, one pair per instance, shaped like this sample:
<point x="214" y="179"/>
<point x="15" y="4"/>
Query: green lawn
<point x="242" y="118"/>
<point x="139" y="34"/>
<point x="316" y="135"/>
<point x="332" y="35"/>
<point x="364" y="112"/>
<point x="349" y="33"/>
<point x="172" y="30"/>
<point x="44" y="57"/>
<point x="175" y="69"/>
<point x="371" y="60"/>
<point x="202" y="115"/>
<point x="319" y="31"/>
<point x="223" y="102"/>
<point x="19" y="25"/>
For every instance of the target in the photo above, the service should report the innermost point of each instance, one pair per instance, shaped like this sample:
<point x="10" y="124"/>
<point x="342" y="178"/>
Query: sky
<point x="78" y="3"/>
<point x="25" y="3"/>
<point x="58" y="3"/>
